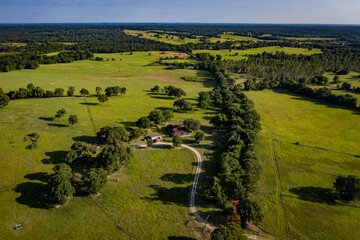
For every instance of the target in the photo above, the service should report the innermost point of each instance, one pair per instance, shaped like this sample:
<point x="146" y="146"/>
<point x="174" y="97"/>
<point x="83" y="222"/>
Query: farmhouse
<point x="154" y="137"/>
<point x="178" y="130"/>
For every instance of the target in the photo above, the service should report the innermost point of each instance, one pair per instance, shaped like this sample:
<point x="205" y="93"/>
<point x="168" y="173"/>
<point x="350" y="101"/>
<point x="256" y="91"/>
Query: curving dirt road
<point x="197" y="171"/>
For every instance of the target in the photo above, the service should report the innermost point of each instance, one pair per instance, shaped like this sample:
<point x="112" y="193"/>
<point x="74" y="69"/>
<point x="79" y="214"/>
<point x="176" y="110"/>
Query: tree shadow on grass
<point x="85" y="139"/>
<point x="162" y="97"/>
<point x="315" y="194"/>
<point x="34" y="195"/>
<point x="49" y="119"/>
<point x="40" y="176"/>
<point x="55" y="157"/>
<point x="57" y="125"/>
<point x="175" y="195"/>
<point x="89" y="104"/>
<point x="177" y="178"/>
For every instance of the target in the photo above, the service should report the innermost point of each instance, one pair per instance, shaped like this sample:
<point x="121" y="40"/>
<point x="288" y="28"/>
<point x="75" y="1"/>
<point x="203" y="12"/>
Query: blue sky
<point x="209" y="11"/>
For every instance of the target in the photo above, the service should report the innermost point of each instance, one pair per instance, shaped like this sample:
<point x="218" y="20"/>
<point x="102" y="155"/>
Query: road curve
<point x="192" y="207"/>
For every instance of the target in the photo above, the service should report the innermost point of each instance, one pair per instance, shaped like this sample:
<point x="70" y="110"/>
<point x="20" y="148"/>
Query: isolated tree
<point x="98" y="91"/>
<point x="103" y="98"/>
<point x="177" y="141"/>
<point x="192" y="124"/>
<point x="60" y="113"/>
<point x="59" y="92"/>
<point x="155" y="89"/>
<point x="249" y="84"/>
<point x="143" y="122"/>
<point x="70" y="92"/>
<point x="156" y="116"/>
<point x="249" y="210"/>
<point x="112" y="135"/>
<point x="168" y="115"/>
<point x="336" y="79"/>
<point x="347" y="188"/>
<point x="30" y="86"/>
<point x="84" y="92"/>
<point x="149" y="143"/>
<point x="72" y="119"/>
<point x="94" y="180"/>
<point x="182" y="104"/>
<point x="62" y="188"/>
<point x="176" y="92"/>
<point x="199" y="136"/>
<point x="230" y="231"/>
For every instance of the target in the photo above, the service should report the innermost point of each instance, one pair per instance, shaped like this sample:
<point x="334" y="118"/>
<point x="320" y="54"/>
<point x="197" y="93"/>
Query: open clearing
<point x="150" y="198"/>
<point x="297" y="182"/>
<point x="241" y="54"/>
<point x="161" y="36"/>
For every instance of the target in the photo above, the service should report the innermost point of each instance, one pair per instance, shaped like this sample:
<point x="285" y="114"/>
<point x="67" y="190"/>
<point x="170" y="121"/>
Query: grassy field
<point x="149" y="200"/>
<point x="310" y="39"/>
<point x="304" y="145"/>
<point x="231" y="37"/>
<point x="241" y="54"/>
<point x="165" y="37"/>
<point x="352" y="77"/>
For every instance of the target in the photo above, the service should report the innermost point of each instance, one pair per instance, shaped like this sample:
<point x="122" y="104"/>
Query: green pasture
<point x="310" y="38"/>
<point x="241" y="54"/>
<point x="352" y="77"/>
<point x="228" y="36"/>
<point x="165" y="37"/>
<point x="150" y="196"/>
<point x="307" y="144"/>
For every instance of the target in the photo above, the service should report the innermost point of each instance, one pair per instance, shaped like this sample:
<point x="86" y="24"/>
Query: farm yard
<point x="304" y="145"/>
<point x="25" y="172"/>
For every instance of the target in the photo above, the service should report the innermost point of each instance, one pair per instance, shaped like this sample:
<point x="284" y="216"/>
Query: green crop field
<point x="231" y="37"/>
<point x="304" y="145"/>
<point x="149" y="199"/>
<point x="241" y="54"/>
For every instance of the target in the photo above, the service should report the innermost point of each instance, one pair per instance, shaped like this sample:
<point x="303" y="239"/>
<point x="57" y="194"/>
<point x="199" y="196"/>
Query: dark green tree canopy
<point x="230" y="231"/>
<point x="192" y="124"/>
<point x="113" y="157"/>
<point x="347" y="188"/>
<point x="84" y="92"/>
<point x="143" y="122"/>
<point x="177" y="141"/>
<point x="182" y="104"/>
<point x="61" y="183"/>
<point x="112" y="135"/>
<point x="199" y="136"/>
<point x="94" y="180"/>
<point x="156" y="116"/>
<point x="102" y="98"/>
<point x="73" y="119"/>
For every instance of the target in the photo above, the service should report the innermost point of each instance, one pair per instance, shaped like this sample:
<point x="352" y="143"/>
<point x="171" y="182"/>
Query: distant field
<point x="231" y="37"/>
<point x="328" y="145"/>
<point x="154" y="207"/>
<point x="14" y="44"/>
<point x="352" y="77"/>
<point x="310" y="39"/>
<point x="162" y="37"/>
<point x="226" y="54"/>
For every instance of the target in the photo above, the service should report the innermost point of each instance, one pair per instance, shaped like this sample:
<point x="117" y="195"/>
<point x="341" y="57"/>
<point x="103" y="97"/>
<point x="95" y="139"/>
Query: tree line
<point x="10" y="62"/>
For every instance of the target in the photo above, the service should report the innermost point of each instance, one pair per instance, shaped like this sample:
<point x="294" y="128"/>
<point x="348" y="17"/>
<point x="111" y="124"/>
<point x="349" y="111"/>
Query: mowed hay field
<point x="149" y="200"/>
<point x="304" y="145"/>
<point x="241" y="54"/>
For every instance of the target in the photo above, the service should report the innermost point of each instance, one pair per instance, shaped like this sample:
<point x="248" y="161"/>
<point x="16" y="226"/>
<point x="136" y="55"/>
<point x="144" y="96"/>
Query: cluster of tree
<point x="324" y="93"/>
<point x="10" y="62"/>
<point x="347" y="86"/>
<point x="347" y="188"/>
<point x="171" y="91"/>
<point x="72" y="118"/>
<point x="113" y="91"/>
<point x="155" y="118"/>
